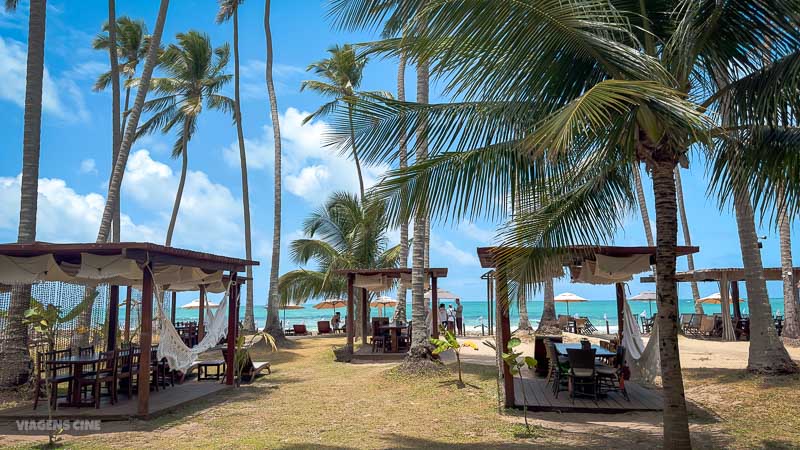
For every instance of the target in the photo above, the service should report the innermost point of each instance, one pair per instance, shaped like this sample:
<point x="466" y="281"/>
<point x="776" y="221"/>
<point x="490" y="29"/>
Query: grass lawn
<point x="309" y="401"/>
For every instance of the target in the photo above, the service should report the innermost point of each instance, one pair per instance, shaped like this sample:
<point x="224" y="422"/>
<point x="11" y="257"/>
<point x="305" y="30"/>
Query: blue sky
<point x="76" y="141"/>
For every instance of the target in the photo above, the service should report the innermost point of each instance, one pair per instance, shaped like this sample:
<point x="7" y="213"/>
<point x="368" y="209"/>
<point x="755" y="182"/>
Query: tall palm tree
<point x="130" y="41"/>
<point x="341" y="75"/>
<point x="587" y="109"/>
<point x="402" y="289"/>
<point x="131" y="125"/>
<point x="549" y="319"/>
<point x="687" y="239"/>
<point x="791" y="318"/>
<point x="345" y="233"/>
<point x="195" y="75"/>
<point x="273" y="326"/>
<point x="14" y="346"/>
<point x="230" y="9"/>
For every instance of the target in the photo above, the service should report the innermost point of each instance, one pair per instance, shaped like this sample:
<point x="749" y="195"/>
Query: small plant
<point x="240" y="357"/>
<point x="516" y="362"/>
<point x="451" y="343"/>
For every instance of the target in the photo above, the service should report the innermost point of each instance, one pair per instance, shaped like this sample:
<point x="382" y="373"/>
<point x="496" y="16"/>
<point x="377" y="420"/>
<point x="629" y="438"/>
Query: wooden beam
<point x="435" y="308"/>
<point x="363" y="313"/>
<point x="620" y="309"/>
<point x="159" y="259"/>
<point x="504" y="334"/>
<point x="128" y="296"/>
<point x="174" y="307"/>
<point x="113" y="318"/>
<point x="145" y="340"/>
<point x="201" y="328"/>
<point x="233" y="328"/>
<point x="349" y="322"/>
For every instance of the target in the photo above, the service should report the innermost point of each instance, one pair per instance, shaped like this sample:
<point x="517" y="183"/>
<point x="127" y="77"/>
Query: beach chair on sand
<point x="685" y="320"/>
<point x="324" y="327"/>
<point x="707" y="326"/>
<point x="588" y="328"/>
<point x="693" y="327"/>
<point x="300" y="330"/>
<point x="563" y="322"/>
<point x="251" y="369"/>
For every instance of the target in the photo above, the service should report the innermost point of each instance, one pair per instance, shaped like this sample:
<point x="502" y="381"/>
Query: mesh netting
<point x="136" y="314"/>
<point x="89" y="327"/>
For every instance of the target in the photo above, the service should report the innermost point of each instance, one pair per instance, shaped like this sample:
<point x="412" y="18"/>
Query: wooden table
<point x="394" y="334"/>
<point x="600" y="352"/>
<point x="76" y="363"/>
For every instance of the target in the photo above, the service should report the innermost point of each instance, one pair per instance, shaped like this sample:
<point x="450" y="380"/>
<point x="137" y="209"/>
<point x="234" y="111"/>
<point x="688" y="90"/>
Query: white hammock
<point x="171" y="346"/>
<point x="643" y="360"/>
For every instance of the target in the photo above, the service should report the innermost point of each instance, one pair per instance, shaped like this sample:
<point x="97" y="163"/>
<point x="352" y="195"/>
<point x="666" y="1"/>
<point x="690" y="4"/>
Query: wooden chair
<point x="404" y="339"/>
<point x="324" y="327"/>
<point x="563" y="322"/>
<point x="609" y="378"/>
<point x="104" y="373"/>
<point x="582" y="373"/>
<point x="125" y="368"/>
<point x="588" y="326"/>
<point x="558" y="367"/>
<point x="160" y="370"/>
<point x="53" y="374"/>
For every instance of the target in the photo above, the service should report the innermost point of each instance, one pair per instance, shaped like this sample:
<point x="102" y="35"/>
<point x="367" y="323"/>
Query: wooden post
<point x="201" y="327"/>
<point x="113" y="318"/>
<point x="233" y="328"/>
<point x="349" y="323"/>
<point x="620" y="310"/>
<point x="737" y="307"/>
<point x="128" y="296"/>
<point x="145" y="340"/>
<point x="490" y="319"/>
<point x="435" y="307"/>
<point x="503" y="329"/>
<point x="174" y="305"/>
<point x="363" y="312"/>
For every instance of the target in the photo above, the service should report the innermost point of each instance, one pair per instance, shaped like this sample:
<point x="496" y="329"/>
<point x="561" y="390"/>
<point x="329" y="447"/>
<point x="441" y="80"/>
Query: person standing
<point x="442" y="316"/>
<point x="451" y="319"/>
<point x="459" y="317"/>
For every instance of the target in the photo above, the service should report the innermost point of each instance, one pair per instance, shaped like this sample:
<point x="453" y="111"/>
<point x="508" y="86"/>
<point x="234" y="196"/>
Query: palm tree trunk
<point x="118" y="173"/>
<point x="687" y="240"/>
<point x="355" y="152"/>
<point x="115" y="107"/>
<point x="14" y="346"/>
<point x="648" y="231"/>
<point x="419" y="338"/>
<point x="249" y="316"/>
<point x="767" y="353"/>
<point x="791" y="319"/>
<point x="522" y="300"/>
<point x="181" y="183"/>
<point x="273" y="326"/>
<point x="676" y="421"/>
<point x="548" y="319"/>
<point x="401" y="96"/>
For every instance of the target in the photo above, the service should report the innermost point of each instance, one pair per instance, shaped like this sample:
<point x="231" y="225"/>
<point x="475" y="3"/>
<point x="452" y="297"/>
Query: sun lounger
<point x="324" y="327"/>
<point x="251" y="369"/>
<point x="300" y="330"/>
<point x="686" y="319"/>
<point x="707" y="326"/>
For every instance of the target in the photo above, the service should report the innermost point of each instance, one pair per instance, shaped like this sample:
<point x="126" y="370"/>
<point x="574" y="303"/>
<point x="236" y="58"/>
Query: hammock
<point x="170" y="345"/>
<point x="643" y="360"/>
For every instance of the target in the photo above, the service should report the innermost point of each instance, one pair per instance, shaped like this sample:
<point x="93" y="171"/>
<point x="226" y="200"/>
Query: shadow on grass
<point x="731" y="376"/>
<point x="459" y="384"/>
<point x="482" y="372"/>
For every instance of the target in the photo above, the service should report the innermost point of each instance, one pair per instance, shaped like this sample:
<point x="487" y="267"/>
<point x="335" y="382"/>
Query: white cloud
<point x="311" y="171"/>
<point x="477" y="233"/>
<point x="63" y="215"/>
<point x="253" y="85"/>
<point x="88" y="166"/>
<point x="60" y="97"/>
<point x="449" y="250"/>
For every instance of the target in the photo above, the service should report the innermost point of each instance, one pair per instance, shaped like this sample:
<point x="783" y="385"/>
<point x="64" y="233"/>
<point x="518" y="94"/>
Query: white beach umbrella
<point x="441" y="294"/>
<point x="645" y="297"/>
<point x="569" y="297"/>
<point x="195" y="304"/>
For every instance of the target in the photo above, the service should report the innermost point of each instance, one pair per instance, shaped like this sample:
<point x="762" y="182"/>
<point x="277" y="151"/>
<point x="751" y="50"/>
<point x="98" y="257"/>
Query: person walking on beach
<point x="459" y="317"/>
<point x="451" y="319"/>
<point x="442" y="316"/>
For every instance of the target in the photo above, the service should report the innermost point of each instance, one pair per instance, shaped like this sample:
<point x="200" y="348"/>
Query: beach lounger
<point x="685" y="320"/>
<point x="251" y="369"/>
<point x="707" y="326"/>
<point x="324" y="327"/>
<point x="693" y="327"/>
<point x="300" y="330"/>
<point x="588" y="328"/>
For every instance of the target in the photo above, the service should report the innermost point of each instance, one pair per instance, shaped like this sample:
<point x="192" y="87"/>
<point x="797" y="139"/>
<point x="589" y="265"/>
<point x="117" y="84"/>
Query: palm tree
<point x="341" y="75"/>
<point x="549" y="319"/>
<point x="345" y="233"/>
<point x="273" y="326"/>
<point x="195" y="76"/>
<point x="587" y="109"/>
<point x="791" y="318"/>
<point x="687" y="239"/>
<point x="230" y="9"/>
<point x="130" y="41"/>
<point x="14" y="346"/>
<point x="403" y="156"/>
<point x="114" y="185"/>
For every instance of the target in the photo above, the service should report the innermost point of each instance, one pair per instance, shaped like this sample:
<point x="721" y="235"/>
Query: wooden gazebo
<point x="432" y="274"/>
<point x="140" y="261"/>
<point x="573" y="257"/>
<point x="728" y="279"/>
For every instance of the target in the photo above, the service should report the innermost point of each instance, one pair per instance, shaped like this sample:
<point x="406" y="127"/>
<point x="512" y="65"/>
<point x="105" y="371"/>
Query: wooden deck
<point x="539" y="397"/>
<point x="364" y="355"/>
<point x="161" y="402"/>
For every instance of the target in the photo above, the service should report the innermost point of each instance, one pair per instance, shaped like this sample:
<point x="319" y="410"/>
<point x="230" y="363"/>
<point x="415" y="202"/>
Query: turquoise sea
<point x="475" y="312"/>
